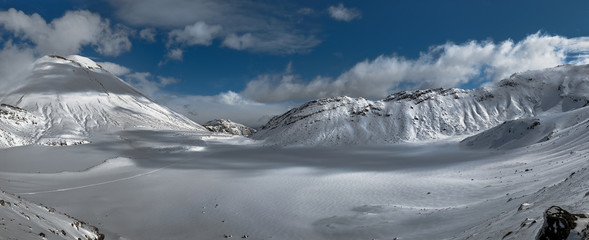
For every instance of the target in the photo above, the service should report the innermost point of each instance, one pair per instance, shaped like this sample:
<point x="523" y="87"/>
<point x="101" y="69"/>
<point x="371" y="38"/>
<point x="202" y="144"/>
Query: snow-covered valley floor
<point x="182" y="185"/>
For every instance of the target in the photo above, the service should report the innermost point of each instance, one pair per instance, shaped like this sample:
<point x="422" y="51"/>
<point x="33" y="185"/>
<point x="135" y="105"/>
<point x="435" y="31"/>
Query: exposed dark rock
<point x="534" y="125"/>
<point x="559" y="224"/>
<point x="420" y="96"/>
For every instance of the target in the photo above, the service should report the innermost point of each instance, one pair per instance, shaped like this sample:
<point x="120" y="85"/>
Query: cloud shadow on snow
<point x="152" y="149"/>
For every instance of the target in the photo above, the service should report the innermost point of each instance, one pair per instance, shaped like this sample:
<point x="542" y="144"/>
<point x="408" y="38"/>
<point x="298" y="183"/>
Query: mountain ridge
<point x="424" y="115"/>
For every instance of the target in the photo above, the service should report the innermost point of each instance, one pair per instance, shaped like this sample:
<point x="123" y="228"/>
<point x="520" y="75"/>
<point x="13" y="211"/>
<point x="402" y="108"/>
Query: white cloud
<point x="201" y="109"/>
<point x="113" y="42"/>
<point x="233" y="98"/>
<point x="165" y="81"/>
<point x="148" y="84"/>
<point x="199" y="33"/>
<point x="228" y="105"/>
<point x="239" y="42"/>
<point x="68" y="34"/>
<point x="114" y="68"/>
<point x="148" y="34"/>
<point x="447" y="65"/>
<point x="306" y="11"/>
<point x="175" y="54"/>
<point x="342" y="13"/>
<point x="268" y="27"/>
<point x="15" y="64"/>
<point x="141" y="81"/>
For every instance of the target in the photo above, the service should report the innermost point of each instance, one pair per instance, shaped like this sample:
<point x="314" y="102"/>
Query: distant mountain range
<point x="426" y="115"/>
<point x="67" y="99"/>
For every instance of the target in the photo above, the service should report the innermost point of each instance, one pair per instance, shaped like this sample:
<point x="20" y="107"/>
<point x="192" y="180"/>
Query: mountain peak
<point x="56" y="75"/>
<point x="70" y="98"/>
<point x="76" y="59"/>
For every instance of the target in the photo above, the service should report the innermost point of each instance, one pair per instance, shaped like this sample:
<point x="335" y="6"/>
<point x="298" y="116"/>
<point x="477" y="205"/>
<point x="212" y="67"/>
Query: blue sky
<point x="248" y="60"/>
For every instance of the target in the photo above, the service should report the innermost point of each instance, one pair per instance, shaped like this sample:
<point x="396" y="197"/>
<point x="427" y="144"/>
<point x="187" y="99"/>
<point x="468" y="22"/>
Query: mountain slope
<point x="64" y="100"/>
<point x="430" y="114"/>
<point x="527" y="131"/>
<point x="22" y="219"/>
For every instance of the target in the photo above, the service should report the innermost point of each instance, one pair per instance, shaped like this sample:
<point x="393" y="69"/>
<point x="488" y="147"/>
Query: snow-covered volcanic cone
<point x="64" y="100"/>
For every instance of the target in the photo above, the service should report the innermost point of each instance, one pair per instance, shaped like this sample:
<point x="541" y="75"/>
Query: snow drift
<point x="64" y="100"/>
<point x="423" y="115"/>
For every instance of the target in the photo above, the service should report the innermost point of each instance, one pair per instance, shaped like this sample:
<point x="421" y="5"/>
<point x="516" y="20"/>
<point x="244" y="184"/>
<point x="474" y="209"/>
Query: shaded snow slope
<point x="552" y="172"/>
<point x="431" y="114"/>
<point x="21" y="219"/>
<point x="227" y="126"/>
<point x="528" y="131"/>
<point x="64" y="100"/>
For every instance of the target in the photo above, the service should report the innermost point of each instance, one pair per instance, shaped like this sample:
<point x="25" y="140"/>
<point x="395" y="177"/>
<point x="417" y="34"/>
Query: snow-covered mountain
<point x="65" y="99"/>
<point x="527" y="131"/>
<point x="423" y="115"/>
<point x="227" y="126"/>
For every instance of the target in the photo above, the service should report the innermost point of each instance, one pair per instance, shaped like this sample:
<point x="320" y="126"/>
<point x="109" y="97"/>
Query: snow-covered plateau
<point x="508" y="161"/>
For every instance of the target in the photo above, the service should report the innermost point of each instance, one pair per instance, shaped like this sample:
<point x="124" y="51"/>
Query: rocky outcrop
<point x="229" y="127"/>
<point x="559" y="224"/>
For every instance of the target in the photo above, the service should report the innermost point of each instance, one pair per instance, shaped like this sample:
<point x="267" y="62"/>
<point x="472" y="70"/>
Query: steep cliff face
<point x="423" y="115"/>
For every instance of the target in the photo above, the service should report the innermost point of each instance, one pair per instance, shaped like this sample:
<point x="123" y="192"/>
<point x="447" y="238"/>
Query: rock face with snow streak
<point x="227" y="126"/>
<point x="65" y="99"/>
<point x="430" y="114"/>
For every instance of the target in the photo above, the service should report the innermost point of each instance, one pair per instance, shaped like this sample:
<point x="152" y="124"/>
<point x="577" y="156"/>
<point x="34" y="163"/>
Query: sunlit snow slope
<point x="21" y="219"/>
<point x="64" y="100"/>
<point x="431" y="114"/>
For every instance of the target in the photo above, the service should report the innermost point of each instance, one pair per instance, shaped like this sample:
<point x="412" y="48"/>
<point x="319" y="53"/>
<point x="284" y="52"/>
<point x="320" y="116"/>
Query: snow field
<point x="380" y="192"/>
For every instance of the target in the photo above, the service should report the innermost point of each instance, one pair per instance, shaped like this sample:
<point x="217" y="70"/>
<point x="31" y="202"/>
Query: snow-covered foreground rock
<point x="65" y="100"/>
<point x="430" y="114"/>
<point x="21" y="219"/>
